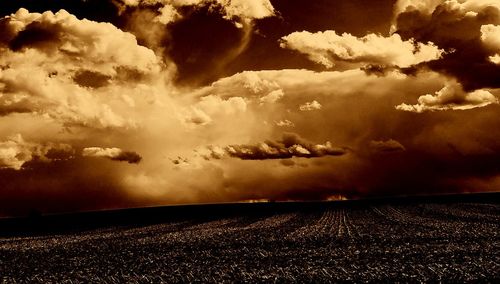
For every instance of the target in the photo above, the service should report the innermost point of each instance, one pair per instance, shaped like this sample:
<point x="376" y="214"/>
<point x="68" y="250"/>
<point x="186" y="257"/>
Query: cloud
<point x="272" y="97"/>
<point x="437" y="139"/>
<point x="328" y="47"/>
<point x="211" y="106"/>
<point x="308" y="106"/>
<point x="490" y="36"/>
<point x="387" y="146"/>
<point x="16" y="152"/>
<point x="168" y="14"/>
<point x="101" y="47"/>
<point x="247" y="9"/>
<point x="428" y="7"/>
<point x="243" y="9"/>
<point x="285" y="123"/>
<point x="291" y="145"/>
<point x="74" y="71"/>
<point x="115" y="154"/>
<point x="495" y="59"/>
<point x="451" y="97"/>
<point x="243" y="164"/>
<point x="49" y="93"/>
<point x="460" y="28"/>
<point x="424" y="6"/>
<point x="222" y="29"/>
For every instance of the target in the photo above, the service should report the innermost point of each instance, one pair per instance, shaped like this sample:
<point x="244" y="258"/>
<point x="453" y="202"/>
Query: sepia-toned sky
<point x="124" y="103"/>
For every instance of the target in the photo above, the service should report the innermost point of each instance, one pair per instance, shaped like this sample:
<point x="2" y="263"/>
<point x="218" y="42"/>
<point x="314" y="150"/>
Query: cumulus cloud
<point x="424" y="6"/>
<point x="291" y="145"/>
<point x="328" y="47"/>
<point x="308" y="106"/>
<point x="490" y="35"/>
<point x="15" y="152"/>
<point x="115" y="154"/>
<point x="248" y="9"/>
<point x="101" y="47"/>
<point x="451" y="97"/>
<point x="464" y="28"/>
<point x="386" y="146"/>
<point x="69" y="69"/>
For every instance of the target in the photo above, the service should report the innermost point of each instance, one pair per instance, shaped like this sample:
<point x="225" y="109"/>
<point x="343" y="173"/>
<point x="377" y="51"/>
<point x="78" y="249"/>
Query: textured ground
<point x="407" y="242"/>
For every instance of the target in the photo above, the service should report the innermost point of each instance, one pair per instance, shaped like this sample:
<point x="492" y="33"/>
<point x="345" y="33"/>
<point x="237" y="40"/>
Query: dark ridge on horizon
<point x="142" y="216"/>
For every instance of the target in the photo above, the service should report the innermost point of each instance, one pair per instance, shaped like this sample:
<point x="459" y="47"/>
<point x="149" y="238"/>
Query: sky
<point x="127" y="103"/>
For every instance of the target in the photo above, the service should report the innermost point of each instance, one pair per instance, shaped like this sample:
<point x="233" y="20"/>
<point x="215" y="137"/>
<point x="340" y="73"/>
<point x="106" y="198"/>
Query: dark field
<point x="435" y="239"/>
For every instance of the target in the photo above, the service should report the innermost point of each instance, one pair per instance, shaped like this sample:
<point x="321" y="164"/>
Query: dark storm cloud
<point x="206" y="44"/>
<point x="129" y="157"/>
<point x="291" y="145"/>
<point x="377" y="69"/>
<point x="15" y="152"/>
<point x="120" y="83"/>
<point x="91" y="79"/>
<point x="388" y="146"/>
<point x="39" y="35"/>
<point x="200" y="44"/>
<point x="456" y="27"/>
<point x="61" y="186"/>
<point x="419" y="172"/>
<point x="429" y="152"/>
<point x="199" y="37"/>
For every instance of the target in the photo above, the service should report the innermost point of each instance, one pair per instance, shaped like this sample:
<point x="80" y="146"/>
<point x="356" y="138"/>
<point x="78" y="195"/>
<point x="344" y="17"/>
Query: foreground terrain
<point x="421" y="240"/>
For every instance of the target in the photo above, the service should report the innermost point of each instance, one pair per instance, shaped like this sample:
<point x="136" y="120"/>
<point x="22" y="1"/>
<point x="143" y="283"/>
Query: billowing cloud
<point x="247" y="9"/>
<point x="101" y="47"/>
<point x="115" y="154"/>
<point x="328" y="47"/>
<point x="15" y="152"/>
<point x="161" y="81"/>
<point x="463" y="29"/>
<point x="171" y="27"/>
<point x="308" y="106"/>
<point x="62" y="67"/>
<point x="451" y="97"/>
<point x="490" y="35"/>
